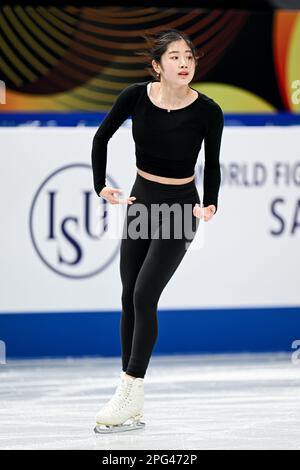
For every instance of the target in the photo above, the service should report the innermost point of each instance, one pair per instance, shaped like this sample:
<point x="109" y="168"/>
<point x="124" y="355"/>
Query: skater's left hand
<point x="205" y="213"/>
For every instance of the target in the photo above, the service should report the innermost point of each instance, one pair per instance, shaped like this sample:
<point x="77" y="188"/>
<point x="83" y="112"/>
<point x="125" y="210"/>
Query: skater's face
<point x="177" y="58"/>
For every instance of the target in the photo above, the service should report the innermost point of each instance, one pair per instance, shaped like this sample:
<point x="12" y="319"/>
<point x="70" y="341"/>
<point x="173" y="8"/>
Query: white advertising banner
<point x="60" y="242"/>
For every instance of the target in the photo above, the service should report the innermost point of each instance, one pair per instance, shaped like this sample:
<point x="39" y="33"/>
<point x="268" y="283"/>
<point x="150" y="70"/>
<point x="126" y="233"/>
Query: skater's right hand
<point x="108" y="194"/>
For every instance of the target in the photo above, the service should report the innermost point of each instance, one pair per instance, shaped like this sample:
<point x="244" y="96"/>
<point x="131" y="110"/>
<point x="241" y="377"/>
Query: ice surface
<point x="228" y="401"/>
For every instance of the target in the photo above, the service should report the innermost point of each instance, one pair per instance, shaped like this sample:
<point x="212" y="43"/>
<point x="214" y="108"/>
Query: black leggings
<point x="148" y="262"/>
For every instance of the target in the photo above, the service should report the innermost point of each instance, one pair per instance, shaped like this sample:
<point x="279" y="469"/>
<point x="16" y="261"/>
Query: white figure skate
<point x="124" y="410"/>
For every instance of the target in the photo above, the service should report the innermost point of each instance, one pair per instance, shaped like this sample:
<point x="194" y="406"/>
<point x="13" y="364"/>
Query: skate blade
<point x="110" y="428"/>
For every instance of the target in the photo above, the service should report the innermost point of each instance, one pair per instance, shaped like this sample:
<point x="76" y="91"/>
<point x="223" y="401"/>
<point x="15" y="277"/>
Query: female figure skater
<point x="169" y="122"/>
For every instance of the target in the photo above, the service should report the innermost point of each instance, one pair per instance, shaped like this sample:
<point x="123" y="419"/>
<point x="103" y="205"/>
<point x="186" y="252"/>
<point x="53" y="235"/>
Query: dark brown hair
<point x="158" y="44"/>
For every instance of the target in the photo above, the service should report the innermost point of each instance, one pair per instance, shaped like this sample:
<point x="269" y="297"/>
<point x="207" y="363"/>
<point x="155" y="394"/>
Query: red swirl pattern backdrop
<point x="80" y="58"/>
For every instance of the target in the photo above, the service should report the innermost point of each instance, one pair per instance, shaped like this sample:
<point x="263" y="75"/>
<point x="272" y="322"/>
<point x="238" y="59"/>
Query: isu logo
<point x="66" y="230"/>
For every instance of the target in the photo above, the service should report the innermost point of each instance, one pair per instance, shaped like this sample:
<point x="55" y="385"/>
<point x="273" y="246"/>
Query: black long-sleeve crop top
<point x="167" y="143"/>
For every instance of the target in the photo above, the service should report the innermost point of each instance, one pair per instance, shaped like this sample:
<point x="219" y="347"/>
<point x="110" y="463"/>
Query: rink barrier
<point x="180" y="331"/>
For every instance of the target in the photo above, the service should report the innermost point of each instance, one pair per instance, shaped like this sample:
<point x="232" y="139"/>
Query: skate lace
<point x="120" y="397"/>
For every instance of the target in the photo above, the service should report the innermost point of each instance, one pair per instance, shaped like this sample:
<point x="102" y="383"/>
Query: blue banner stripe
<point x="180" y="331"/>
<point x="70" y="118"/>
